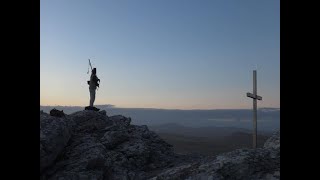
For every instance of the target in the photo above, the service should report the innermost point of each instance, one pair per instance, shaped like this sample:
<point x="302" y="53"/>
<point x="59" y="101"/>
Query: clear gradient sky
<point x="172" y="54"/>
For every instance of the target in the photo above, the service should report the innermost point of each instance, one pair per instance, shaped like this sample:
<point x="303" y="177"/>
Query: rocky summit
<point x="91" y="145"/>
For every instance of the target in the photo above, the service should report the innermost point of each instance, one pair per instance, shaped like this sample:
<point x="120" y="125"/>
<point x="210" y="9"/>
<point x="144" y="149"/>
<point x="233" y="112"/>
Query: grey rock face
<point x="91" y="145"/>
<point x="54" y="136"/>
<point x="261" y="163"/>
<point x="273" y="141"/>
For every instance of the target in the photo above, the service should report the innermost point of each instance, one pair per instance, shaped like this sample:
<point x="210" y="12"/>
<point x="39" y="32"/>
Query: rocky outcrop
<point x="261" y="163"/>
<point x="91" y="145"/>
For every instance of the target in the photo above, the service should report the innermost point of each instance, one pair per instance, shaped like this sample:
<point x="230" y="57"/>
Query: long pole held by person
<point x="90" y="66"/>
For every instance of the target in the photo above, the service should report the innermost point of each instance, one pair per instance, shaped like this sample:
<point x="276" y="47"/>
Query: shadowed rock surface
<point x="91" y="145"/>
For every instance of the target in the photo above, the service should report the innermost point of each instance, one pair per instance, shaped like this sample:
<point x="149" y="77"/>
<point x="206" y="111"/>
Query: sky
<point x="170" y="54"/>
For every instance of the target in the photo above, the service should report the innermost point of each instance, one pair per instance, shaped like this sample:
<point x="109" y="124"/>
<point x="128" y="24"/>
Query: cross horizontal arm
<point x="254" y="96"/>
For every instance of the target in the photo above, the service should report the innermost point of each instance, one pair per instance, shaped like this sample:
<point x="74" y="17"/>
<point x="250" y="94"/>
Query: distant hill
<point x="207" y="140"/>
<point x="196" y="131"/>
<point x="210" y="131"/>
<point x="211" y="145"/>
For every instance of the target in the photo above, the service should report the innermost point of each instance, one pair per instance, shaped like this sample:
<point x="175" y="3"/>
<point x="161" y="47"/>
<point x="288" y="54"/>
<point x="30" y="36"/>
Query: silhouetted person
<point x="93" y="84"/>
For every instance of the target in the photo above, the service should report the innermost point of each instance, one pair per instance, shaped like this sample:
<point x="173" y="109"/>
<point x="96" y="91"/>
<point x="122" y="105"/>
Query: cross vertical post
<point x="255" y="97"/>
<point x="254" y="110"/>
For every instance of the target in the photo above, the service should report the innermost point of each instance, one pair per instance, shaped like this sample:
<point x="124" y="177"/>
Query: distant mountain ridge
<point x="268" y="118"/>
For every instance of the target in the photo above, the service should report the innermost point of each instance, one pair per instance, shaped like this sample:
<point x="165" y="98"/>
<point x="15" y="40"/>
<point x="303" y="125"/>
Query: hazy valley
<point x="207" y="132"/>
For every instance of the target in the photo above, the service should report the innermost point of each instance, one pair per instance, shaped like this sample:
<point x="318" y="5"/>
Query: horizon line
<point x="113" y="106"/>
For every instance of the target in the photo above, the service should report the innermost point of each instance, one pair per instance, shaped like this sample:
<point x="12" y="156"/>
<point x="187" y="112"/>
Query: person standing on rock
<point x="93" y="84"/>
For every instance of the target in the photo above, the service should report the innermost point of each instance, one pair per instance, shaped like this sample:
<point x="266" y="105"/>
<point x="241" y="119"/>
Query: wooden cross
<point x="255" y="97"/>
